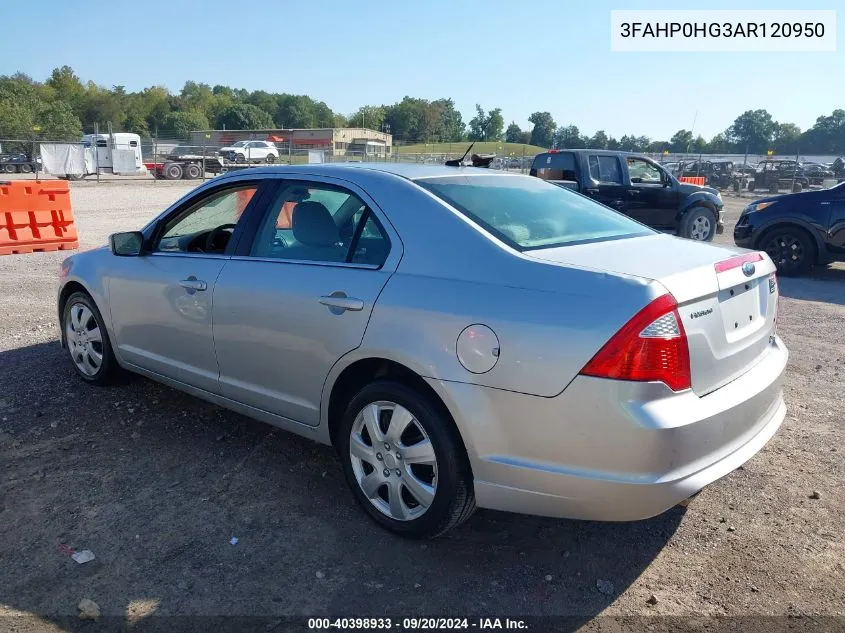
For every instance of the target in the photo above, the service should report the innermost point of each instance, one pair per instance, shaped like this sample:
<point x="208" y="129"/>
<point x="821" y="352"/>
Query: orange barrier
<point x="693" y="180"/>
<point x="36" y="216"/>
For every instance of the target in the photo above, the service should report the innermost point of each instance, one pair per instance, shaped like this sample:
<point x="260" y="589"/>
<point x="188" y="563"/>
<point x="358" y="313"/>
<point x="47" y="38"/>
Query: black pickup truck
<point x="636" y="186"/>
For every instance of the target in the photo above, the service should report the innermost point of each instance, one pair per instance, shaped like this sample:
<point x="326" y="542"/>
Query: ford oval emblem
<point x="748" y="269"/>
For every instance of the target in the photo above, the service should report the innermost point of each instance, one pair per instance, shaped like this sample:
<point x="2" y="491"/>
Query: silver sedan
<point x="462" y="337"/>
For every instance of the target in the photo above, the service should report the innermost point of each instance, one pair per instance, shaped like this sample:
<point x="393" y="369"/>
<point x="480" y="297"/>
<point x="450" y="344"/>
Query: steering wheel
<point x="214" y="234"/>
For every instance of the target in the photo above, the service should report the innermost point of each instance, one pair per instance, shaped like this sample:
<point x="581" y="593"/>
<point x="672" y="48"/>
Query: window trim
<point x="244" y="247"/>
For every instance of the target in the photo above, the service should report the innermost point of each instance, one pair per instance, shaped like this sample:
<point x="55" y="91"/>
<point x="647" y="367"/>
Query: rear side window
<point x="605" y="169"/>
<point x="527" y="213"/>
<point x="558" y="166"/>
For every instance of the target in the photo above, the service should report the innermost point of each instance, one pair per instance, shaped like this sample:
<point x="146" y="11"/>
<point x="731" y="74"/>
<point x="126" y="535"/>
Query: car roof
<point x="410" y="171"/>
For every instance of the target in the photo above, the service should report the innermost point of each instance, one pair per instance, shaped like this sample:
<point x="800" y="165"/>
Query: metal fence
<point x="169" y="157"/>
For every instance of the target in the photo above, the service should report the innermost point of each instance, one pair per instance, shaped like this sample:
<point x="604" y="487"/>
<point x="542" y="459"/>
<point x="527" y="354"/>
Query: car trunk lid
<point x="728" y="314"/>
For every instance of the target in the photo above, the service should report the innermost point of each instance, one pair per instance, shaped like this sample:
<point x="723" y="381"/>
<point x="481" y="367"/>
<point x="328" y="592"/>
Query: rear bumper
<point x="612" y="450"/>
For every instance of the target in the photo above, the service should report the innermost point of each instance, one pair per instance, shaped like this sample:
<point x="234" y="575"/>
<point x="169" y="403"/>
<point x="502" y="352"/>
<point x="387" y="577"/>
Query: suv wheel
<point x="404" y="461"/>
<point x="791" y="249"/>
<point x="699" y="224"/>
<point x="271" y="158"/>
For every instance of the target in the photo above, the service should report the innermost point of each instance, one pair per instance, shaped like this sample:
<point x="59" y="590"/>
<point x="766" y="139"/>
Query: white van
<point x="118" y="153"/>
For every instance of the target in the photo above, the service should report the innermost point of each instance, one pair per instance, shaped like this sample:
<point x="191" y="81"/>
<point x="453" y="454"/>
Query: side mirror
<point x="127" y="244"/>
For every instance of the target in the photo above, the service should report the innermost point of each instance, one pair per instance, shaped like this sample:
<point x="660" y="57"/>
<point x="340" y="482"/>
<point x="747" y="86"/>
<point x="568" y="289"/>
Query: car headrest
<point x="313" y="225"/>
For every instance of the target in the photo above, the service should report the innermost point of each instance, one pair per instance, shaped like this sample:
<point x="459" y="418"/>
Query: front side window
<point x="321" y="223"/>
<point x="528" y="213"/>
<point x="206" y="226"/>
<point x="643" y="172"/>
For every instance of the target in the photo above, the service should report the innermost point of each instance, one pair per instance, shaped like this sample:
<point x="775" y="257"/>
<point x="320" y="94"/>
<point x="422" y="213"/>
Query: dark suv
<point x="797" y="230"/>
<point x="636" y="186"/>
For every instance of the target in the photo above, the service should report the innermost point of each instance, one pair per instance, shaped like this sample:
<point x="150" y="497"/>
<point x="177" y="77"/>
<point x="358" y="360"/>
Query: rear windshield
<point x="558" y="166"/>
<point x="528" y="214"/>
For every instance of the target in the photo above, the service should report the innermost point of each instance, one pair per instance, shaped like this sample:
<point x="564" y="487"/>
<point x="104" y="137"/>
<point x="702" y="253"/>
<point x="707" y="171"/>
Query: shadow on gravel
<point x="156" y="484"/>
<point x="825" y="284"/>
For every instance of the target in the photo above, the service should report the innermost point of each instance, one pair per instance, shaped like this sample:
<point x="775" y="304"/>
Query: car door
<point x="160" y="301"/>
<point x="298" y="295"/>
<point x="835" y="203"/>
<point x="650" y="197"/>
<point x="606" y="184"/>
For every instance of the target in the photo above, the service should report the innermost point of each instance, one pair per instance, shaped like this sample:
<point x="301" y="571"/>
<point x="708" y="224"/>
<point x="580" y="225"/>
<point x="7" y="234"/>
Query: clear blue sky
<point x="539" y="55"/>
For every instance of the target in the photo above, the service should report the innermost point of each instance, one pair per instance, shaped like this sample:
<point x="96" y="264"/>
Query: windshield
<point x="529" y="213"/>
<point x="239" y="144"/>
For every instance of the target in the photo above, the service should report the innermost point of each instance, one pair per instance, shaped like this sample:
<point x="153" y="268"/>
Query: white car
<point x="251" y="152"/>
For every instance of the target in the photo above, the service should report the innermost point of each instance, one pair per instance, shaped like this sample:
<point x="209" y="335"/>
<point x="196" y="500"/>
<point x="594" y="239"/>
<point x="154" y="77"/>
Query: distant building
<point x="340" y="141"/>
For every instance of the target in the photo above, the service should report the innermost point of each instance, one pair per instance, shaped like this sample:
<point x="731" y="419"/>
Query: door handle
<point x="592" y="191"/>
<point x="634" y="192"/>
<point x="341" y="302"/>
<point x="192" y="283"/>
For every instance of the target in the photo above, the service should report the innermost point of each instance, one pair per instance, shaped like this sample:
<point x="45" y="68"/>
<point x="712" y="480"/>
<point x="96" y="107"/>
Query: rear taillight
<point x="652" y="346"/>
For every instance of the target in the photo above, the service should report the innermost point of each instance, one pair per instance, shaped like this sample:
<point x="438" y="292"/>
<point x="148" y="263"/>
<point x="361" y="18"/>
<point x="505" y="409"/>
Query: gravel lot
<point x="156" y="483"/>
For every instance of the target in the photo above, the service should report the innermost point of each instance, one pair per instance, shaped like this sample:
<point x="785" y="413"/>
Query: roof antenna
<point x="459" y="162"/>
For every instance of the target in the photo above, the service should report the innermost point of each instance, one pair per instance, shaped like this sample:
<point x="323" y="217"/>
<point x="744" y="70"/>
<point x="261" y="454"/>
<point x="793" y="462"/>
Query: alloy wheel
<point x="786" y="250"/>
<point x="84" y="339"/>
<point x="393" y="460"/>
<point x="700" y="229"/>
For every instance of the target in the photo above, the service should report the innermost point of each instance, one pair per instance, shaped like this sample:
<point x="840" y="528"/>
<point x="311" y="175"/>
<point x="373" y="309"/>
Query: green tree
<point x="67" y="88"/>
<point x="58" y="122"/>
<point x="453" y="128"/>
<point x="371" y="117"/>
<point x="543" y="132"/>
<point x="569" y="137"/>
<point x="244" y="116"/>
<point x="786" y="138"/>
<point x="612" y="143"/>
<point x="720" y="144"/>
<point x="513" y="134"/>
<point x="102" y="106"/>
<point x="486" y="126"/>
<point x="827" y="135"/>
<point x="264" y="100"/>
<point x="179" y="124"/>
<point x="598" y="141"/>
<point x="681" y="141"/>
<point x="753" y="129"/>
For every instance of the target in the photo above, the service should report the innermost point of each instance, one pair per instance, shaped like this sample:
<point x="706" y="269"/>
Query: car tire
<point x="445" y="478"/>
<point x="173" y="171"/>
<point x="192" y="171"/>
<point x="9" y="168"/>
<point x="699" y="223"/>
<point x="240" y="158"/>
<point x="773" y="188"/>
<point x="791" y="248"/>
<point x="797" y="187"/>
<point x="26" y="168"/>
<point x="271" y="158"/>
<point x="87" y="341"/>
<point x="751" y="185"/>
